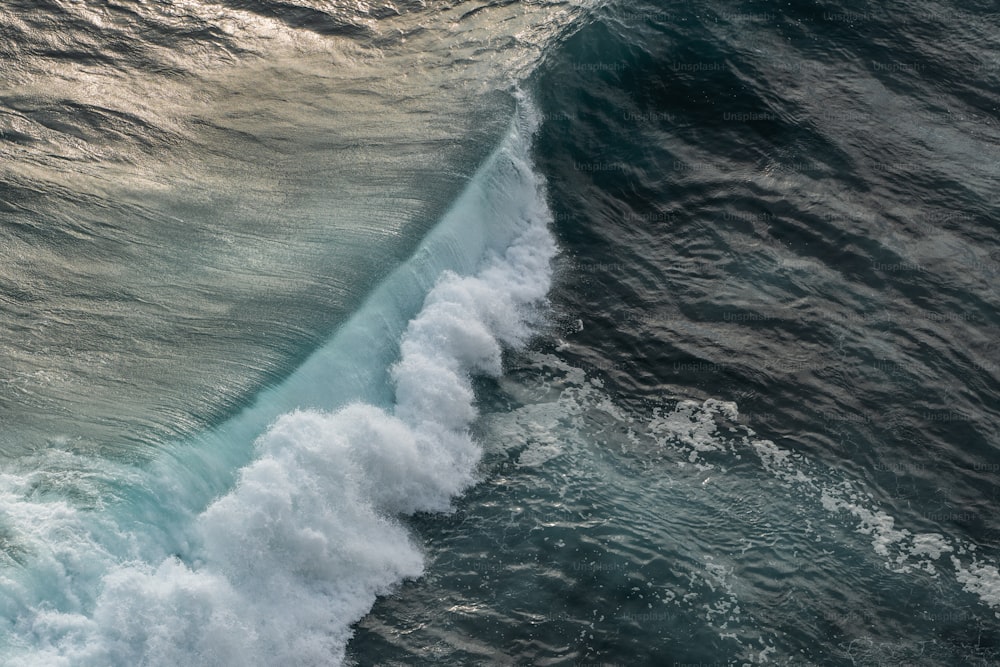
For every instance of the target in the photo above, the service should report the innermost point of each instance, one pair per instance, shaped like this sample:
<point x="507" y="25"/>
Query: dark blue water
<point x="755" y="421"/>
<point x="791" y="208"/>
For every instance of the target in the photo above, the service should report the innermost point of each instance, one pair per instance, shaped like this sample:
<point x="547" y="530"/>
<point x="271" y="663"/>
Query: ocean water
<point x="538" y="333"/>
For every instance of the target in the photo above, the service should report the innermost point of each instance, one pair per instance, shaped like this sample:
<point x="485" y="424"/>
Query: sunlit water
<point x="621" y="334"/>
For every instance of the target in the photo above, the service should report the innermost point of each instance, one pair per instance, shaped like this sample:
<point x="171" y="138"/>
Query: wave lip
<point x="299" y="549"/>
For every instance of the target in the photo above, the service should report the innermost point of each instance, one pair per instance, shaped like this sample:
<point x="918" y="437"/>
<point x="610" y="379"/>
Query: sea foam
<point x="280" y="566"/>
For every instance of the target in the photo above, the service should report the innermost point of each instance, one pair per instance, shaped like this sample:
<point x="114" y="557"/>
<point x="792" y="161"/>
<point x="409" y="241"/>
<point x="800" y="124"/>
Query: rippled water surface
<point x="754" y="421"/>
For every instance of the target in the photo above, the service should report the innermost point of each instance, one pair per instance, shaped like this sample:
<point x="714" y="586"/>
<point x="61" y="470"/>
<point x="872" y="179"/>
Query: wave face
<point x="194" y="196"/>
<point x="276" y="570"/>
<point x="213" y="215"/>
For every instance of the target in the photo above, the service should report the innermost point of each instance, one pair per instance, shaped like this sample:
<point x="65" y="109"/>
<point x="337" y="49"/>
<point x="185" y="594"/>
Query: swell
<point x="177" y="564"/>
<point x="177" y="182"/>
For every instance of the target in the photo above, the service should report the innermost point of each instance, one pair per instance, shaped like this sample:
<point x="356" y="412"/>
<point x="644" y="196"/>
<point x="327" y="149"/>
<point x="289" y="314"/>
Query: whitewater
<point x="262" y="541"/>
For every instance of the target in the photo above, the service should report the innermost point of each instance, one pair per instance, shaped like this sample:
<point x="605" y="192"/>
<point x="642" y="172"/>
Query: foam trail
<point x="281" y="566"/>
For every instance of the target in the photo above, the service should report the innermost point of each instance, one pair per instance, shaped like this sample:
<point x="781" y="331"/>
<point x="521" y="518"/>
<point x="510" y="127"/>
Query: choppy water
<point x="261" y="260"/>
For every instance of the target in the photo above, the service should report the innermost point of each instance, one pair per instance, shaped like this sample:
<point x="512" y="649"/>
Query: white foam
<point x="281" y="566"/>
<point x="552" y="417"/>
<point x="876" y="523"/>
<point x="903" y="551"/>
<point x="981" y="579"/>
<point x="932" y="545"/>
<point x="691" y="425"/>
